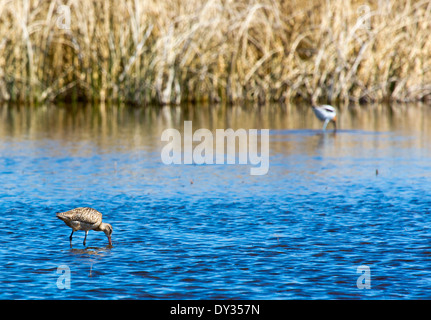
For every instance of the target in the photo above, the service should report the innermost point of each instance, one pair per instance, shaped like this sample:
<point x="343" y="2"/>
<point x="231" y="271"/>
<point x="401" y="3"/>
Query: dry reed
<point x="152" y="51"/>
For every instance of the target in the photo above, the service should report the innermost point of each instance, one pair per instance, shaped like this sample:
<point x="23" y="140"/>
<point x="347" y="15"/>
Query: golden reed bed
<point x="155" y="51"/>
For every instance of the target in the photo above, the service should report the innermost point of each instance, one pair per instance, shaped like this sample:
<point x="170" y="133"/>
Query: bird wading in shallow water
<point x="85" y="219"/>
<point x="326" y="113"/>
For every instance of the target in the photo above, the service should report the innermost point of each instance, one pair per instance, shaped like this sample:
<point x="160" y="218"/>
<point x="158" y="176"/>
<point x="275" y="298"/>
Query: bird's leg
<point x="70" y="238"/>
<point x="325" y="124"/>
<point x="86" y="232"/>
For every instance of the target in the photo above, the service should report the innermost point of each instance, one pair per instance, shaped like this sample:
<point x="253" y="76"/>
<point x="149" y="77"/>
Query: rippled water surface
<point x="329" y="204"/>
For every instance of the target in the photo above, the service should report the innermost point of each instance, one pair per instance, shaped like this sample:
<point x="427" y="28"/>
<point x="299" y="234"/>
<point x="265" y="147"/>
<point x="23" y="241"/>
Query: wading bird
<point x="326" y="113"/>
<point x="85" y="219"/>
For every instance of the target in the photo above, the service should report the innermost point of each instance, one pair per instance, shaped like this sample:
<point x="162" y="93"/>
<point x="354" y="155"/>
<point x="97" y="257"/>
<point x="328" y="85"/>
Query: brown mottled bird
<point x="85" y="219"/>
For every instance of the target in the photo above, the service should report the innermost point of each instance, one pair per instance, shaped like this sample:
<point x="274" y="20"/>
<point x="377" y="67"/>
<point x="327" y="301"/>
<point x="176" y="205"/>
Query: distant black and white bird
<point x="85" y="219"/>
<point x="326" y="113"/>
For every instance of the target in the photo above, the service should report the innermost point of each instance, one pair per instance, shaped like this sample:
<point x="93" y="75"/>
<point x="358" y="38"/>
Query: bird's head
<point x="107" y="229"/>
<point x="334" y="121"/>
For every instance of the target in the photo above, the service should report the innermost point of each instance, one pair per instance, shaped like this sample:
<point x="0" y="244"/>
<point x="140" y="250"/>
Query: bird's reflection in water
<point x="324" y="137"/>
<point x="92" y="250"/>
<point x="92" y="255"/>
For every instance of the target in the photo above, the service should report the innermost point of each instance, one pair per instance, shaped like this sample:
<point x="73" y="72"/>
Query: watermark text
<point x="179" y="150"/>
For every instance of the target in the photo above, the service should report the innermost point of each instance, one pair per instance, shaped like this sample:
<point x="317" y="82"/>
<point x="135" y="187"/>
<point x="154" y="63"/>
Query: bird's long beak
<point x="110" y="241"/>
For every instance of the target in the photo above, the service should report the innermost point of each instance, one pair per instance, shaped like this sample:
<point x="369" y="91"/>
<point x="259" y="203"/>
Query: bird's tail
<point x="61" y="215"/>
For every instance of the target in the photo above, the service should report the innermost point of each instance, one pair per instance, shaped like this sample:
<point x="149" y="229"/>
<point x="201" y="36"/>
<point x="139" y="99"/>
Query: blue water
<point x="329" y="204"/>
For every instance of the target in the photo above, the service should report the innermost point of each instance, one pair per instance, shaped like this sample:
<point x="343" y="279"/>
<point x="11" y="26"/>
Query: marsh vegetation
<point x="143" y="52"/>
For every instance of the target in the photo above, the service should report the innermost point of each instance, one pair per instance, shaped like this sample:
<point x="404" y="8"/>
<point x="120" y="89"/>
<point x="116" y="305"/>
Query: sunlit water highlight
<point x="329" y="203"/>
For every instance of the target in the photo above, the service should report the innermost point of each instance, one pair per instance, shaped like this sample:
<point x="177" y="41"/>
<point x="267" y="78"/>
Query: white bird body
<point x="85" y="219"/>
<point x="326" y="113"/>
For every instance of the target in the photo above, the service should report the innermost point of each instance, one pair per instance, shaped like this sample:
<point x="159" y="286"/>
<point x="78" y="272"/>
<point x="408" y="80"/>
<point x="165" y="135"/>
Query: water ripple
<point x="215" y="232"/>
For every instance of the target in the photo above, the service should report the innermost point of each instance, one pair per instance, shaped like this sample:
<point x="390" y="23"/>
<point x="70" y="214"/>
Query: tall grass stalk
<point x="154" y="51"/>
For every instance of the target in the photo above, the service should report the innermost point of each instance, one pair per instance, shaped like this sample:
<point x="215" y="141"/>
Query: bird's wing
<point x="87" y="215"/>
